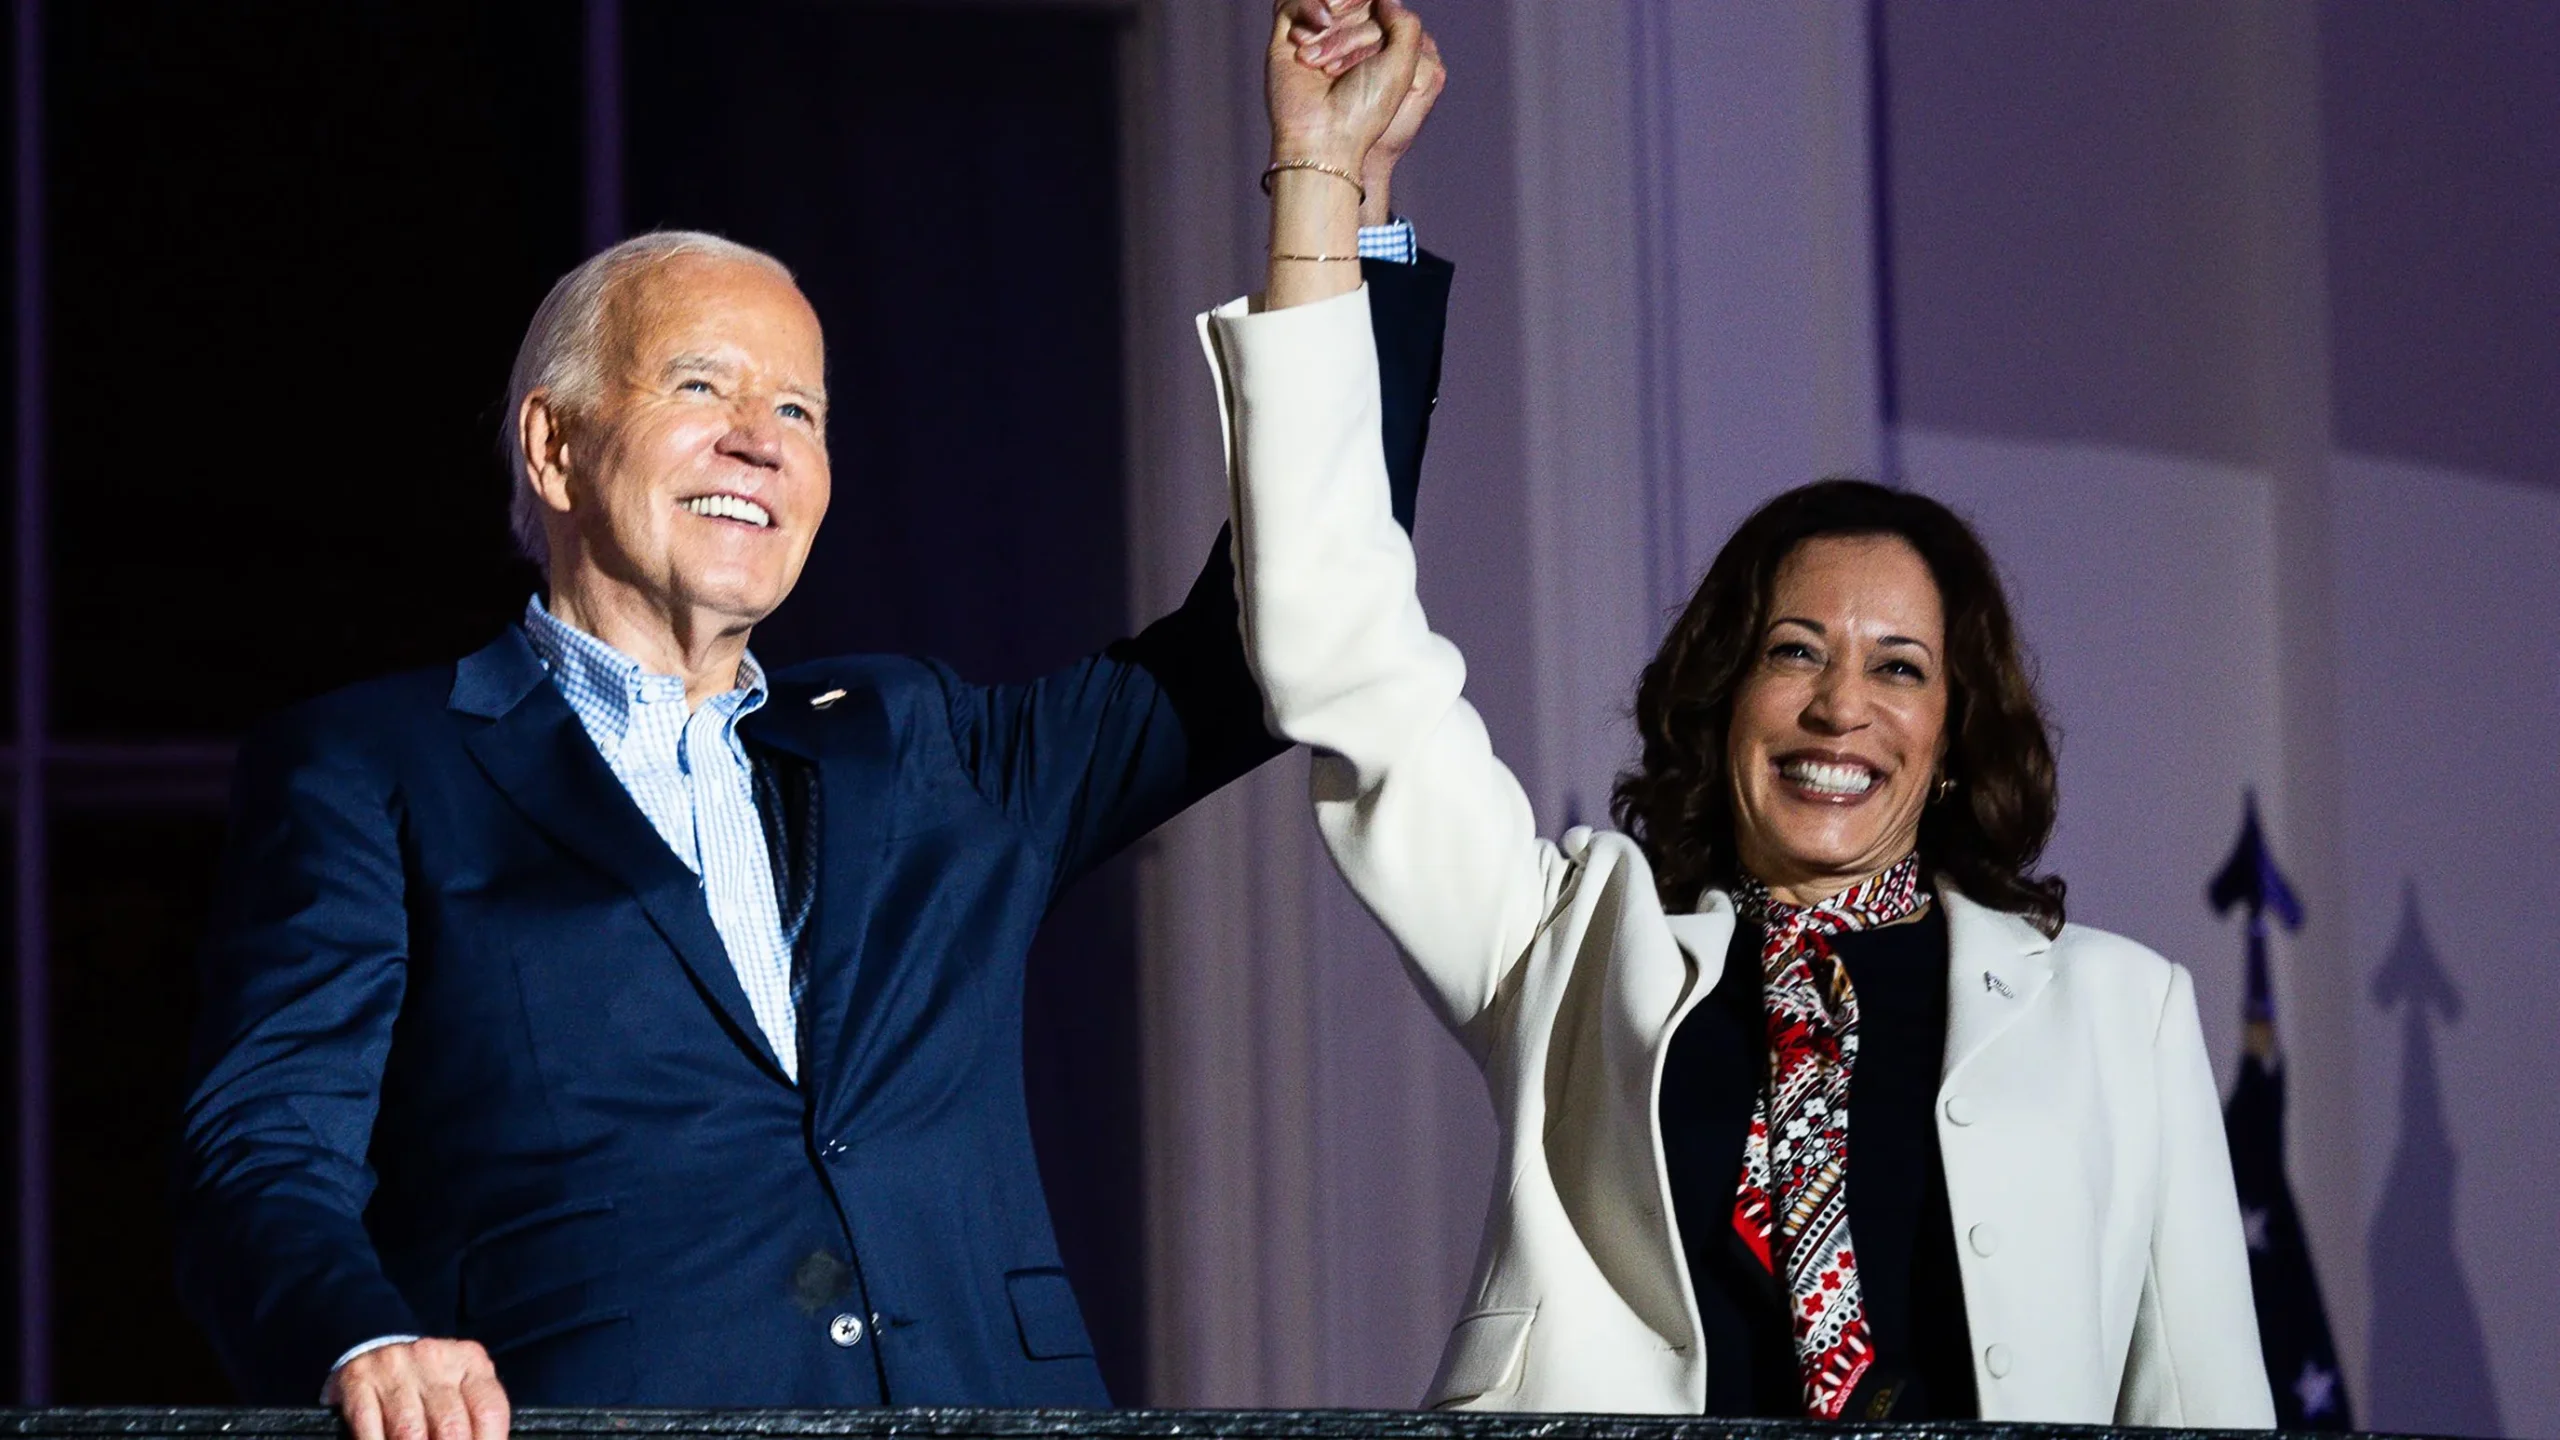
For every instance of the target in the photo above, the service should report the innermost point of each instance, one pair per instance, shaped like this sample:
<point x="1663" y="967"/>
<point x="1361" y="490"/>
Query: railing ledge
<point x="954" y="1423"/>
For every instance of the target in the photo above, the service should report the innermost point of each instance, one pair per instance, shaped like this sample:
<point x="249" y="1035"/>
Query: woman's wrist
<point x="1315" y="238"/>
<point x="1342" y="152"/>
<point x="1375" y="206"/>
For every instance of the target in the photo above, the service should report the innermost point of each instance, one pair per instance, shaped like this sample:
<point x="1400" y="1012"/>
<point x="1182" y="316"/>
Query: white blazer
<point x="2104" y="1273"/>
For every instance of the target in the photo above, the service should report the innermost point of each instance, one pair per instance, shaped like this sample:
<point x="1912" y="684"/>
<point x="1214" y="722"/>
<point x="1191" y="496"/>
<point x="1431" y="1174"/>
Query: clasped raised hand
<point x="1335" y="87"/>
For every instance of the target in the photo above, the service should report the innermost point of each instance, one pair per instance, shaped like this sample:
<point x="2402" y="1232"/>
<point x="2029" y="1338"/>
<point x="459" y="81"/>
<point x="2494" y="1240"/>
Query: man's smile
<point x="730" y="507"/>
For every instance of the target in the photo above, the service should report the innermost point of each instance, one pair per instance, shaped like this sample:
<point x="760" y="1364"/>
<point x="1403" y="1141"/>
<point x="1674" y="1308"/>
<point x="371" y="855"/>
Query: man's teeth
<point x="729" y="507"/>
<point x="1829" y="779"/>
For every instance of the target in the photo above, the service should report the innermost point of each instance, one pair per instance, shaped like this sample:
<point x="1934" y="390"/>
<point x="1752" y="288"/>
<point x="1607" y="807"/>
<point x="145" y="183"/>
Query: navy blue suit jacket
<point x="474" y="1062"/>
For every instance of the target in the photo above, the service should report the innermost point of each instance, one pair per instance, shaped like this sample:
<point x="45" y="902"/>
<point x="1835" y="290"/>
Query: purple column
<point x="604" y="123"/>
<point x="35" y="1004"/>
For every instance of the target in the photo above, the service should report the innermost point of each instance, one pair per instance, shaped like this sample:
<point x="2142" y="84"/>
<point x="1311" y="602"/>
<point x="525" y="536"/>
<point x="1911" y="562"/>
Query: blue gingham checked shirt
<point x="1394" y="240"/>
<point x="688" y="772"/>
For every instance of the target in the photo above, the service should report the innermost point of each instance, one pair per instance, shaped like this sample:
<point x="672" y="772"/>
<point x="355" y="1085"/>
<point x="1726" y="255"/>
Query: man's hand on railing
<point x="421" y="1390"/>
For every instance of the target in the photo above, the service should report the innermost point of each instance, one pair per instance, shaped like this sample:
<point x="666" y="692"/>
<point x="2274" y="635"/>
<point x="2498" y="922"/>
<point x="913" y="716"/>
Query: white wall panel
<point x="2145" y="586"/>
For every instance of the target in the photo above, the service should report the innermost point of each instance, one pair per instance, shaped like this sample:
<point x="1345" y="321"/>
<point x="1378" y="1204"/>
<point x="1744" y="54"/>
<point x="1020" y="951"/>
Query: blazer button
<point x="1960" y="1111"/>
<point x="1985" y="1238"/>
<point x="833" y="1149"/>
<point x="1997" y="1360"/>
<point x="845" y="1330"/>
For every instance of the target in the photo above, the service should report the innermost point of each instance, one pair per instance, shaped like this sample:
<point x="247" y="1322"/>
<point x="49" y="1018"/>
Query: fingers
<point x="1340" y="48"/>
<point x="448" y="1418"/>
<point x="423" y="1390"/>
<point x="1403" y="27"/>
<point x="404" y="1410"/>
<point x="1347" y="49"/>
<point x="487" y="1401"/>
<point x="361" y="1409"/>
<point x="1308" y="14"/>
<point x="1430" y="77"/>
<point x="1313" y="17"/>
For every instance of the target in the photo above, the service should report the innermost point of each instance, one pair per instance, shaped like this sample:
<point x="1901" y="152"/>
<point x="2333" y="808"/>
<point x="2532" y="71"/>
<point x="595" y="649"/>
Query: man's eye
<point x="702" y="387"/>
<point x="792" y="410"/>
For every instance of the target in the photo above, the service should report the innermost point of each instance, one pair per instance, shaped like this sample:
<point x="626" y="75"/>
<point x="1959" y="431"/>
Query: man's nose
<point x="755" y="439"/>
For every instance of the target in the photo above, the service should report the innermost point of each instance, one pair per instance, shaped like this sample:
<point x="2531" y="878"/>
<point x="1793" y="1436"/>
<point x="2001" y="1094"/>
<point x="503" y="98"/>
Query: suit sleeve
<point x="303" y="974"/>
<point x="1094" y="756"/>
<point x="1431" y="829"/>
<point x="2195" y="1357"/>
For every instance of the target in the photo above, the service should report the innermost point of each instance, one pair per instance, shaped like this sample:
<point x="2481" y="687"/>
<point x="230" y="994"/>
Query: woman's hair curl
<point x="1985" y="835"/>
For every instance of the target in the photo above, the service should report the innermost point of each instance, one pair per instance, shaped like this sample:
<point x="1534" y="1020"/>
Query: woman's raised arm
<point x="1431" y="830"/>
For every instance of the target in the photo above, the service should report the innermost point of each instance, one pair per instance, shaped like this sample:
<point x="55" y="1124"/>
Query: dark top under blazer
<point x="473" y="1061"/>
<point x="1899" y="1221"/>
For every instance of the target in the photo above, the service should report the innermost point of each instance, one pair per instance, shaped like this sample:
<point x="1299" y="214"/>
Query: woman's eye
<point x="1903" y="670"/>
<point x="1791" y="650"/>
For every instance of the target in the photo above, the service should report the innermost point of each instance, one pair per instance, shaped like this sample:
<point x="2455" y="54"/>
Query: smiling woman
<point x="1848" y="623"/>
<point x="1825" y="872"/>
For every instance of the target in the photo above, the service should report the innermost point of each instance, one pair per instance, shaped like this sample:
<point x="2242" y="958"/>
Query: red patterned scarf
<point x="1798" y="1152"/>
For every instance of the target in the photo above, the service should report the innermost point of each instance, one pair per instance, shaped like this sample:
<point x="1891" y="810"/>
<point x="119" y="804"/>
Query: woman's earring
<point x="1945" y="786"/>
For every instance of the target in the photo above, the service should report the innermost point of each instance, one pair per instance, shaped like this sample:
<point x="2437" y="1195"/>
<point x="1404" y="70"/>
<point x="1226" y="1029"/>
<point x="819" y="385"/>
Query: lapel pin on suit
<point x="1995" y="983"/>
<point x="821" y="702"/>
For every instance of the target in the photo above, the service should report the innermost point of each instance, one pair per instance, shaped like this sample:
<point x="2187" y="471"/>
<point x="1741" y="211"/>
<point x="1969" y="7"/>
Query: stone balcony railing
<point x="899" y="1423"/>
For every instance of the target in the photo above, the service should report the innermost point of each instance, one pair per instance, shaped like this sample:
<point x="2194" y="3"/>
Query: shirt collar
<point x="605" y="685"/>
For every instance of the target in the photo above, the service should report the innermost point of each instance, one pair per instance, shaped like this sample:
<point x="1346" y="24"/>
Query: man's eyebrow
<point x="808" y="392"/>
<point x="680" y="364"/>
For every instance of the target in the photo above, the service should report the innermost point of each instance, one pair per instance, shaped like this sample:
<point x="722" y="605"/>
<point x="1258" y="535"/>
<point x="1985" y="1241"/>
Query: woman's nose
<point x="1838" y="706"/>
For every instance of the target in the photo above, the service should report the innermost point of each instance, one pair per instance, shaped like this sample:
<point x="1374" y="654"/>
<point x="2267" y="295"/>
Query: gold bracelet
<point x="1316" y="259"/>
<point x="1321" y="168"/>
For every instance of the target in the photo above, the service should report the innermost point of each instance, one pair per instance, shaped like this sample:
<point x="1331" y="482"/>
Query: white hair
<point x="564" y="351"/>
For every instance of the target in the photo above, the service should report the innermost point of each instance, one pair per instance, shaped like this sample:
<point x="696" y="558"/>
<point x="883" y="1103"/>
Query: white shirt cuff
<point x="376" y="1343"/>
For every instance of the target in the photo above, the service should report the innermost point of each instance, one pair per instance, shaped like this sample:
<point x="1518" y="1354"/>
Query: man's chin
<point x="739" y="605"/>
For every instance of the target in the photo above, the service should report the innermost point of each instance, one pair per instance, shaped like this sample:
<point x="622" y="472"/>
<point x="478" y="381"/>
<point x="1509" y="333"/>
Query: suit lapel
<point x="538" y="754"/>
<point x="847" y="746"/>
<point x="1997" y="964"/>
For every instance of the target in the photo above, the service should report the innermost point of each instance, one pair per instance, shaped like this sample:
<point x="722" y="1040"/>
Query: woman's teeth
<point x="729" y="507"/>
<point x="1828" y="779"/>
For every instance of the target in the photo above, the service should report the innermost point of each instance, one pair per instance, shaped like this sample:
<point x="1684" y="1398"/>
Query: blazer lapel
<point x="538" y="754"/>
<point x="847" y="745"/>
<point x="1997" y="964"/>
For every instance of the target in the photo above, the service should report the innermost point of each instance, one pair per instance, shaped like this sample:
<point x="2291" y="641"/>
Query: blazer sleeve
<point x="1431" y="829"/>
<point x="2195" y="1357"/>
<point x="302" y="974"/>
<point x="1096" y="755"/>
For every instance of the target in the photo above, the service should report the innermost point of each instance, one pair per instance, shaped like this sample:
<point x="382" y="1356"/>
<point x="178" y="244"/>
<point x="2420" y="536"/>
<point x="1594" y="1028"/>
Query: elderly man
<point x="601" y="1019"/>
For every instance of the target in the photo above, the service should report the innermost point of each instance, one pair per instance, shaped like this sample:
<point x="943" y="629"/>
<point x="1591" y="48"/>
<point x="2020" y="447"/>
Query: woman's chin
<point x="1853" y="855"/>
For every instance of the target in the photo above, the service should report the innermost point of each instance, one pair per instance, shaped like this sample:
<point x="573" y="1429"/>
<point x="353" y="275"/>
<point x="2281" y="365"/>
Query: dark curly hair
<point x="1677" y="801"/>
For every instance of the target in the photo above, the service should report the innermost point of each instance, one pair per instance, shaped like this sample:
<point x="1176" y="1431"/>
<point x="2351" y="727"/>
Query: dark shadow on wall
<point x="2428" y="1360"/>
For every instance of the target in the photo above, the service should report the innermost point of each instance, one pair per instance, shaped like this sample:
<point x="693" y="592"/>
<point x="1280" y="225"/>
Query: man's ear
<point x="542" y="432"/>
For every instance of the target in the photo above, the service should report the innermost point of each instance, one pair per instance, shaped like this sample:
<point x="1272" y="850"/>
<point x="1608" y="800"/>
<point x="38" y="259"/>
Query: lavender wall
<point x="2451" y="683"/>
<point x="2069" y="246"/>
<point x="2443" y="181"/>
